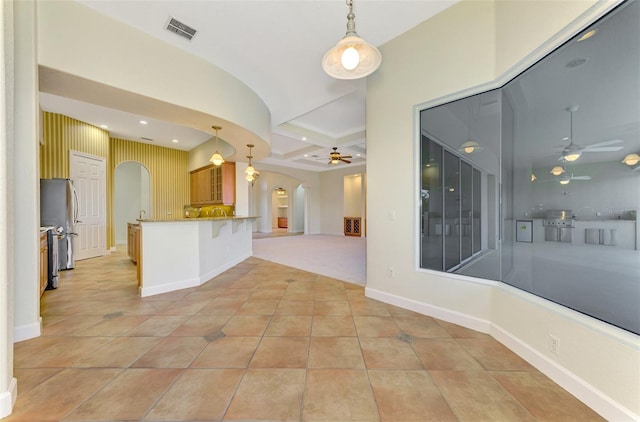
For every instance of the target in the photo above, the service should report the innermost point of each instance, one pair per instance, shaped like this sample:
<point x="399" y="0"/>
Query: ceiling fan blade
<point x="604" y="143"/>
<point x="346" y="161"/>
<point x="601" y="149"/>
<point x="636" y="169"/>
<point x="346" y="156"/>
<point x="580" y="177"/>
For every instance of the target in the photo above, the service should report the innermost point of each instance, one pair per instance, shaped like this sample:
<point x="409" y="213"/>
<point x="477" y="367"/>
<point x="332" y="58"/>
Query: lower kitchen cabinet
<point x="133" y="241"/>
<point x="44" y="262"/>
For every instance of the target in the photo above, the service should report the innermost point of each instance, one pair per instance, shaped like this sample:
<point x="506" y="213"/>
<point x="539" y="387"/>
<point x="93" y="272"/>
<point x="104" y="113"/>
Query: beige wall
<point x="465" y="49"/>
<point x="94" y="49"/>
<point x="333" y="200"/>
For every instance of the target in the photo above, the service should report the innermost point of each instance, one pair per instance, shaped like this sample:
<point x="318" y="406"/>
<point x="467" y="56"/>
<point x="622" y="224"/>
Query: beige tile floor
<point x="263" y="342"/>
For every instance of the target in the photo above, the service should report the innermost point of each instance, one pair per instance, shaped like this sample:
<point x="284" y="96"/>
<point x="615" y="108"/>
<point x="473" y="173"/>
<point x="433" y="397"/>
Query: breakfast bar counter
<point x="181" y="253"/>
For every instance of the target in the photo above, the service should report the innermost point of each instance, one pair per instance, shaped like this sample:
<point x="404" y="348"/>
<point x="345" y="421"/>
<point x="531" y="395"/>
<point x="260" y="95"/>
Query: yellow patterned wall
<point x="62" y="134"/>
<point x="168" y="168"/>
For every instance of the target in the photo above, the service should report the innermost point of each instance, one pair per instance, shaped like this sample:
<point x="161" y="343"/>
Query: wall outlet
<point x="391" y="272"/>
<point x="554" y="344"/>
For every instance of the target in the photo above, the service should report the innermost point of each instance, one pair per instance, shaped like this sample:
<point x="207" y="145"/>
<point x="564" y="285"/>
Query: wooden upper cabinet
<point x="214" y="185"/>
<point x="228" y="183"/>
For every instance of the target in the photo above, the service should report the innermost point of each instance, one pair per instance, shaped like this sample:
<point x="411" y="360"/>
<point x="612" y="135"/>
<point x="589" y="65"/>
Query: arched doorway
<point x="132" y="198"/>
<point x="279" y="210"/>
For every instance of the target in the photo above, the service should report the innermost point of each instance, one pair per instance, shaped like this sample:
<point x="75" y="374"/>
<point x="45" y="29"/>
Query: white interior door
<point x="88" y="173"/>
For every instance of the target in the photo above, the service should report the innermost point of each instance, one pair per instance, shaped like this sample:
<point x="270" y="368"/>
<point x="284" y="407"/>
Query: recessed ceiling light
<point x="576" y="62"/>
<point x="304" y="138"/>
<point x="587" y="35"/>
<point x="357" y="155"/>
<point x="175" y="141"/>
<point x="306" y="155"/>
<point x="143" y="122"/>
<point x="104" y="126"/>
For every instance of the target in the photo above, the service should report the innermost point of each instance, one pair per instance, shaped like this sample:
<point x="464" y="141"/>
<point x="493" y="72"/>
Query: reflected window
<point x="547" y="153"/>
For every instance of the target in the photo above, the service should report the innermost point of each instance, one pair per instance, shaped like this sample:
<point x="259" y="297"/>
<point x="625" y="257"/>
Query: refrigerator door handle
<point x="75" y="206"/>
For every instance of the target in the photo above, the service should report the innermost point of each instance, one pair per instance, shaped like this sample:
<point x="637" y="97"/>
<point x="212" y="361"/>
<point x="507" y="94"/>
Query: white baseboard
<point x="8" y="398"/>
<point x="169" y="287"/>
<point x="474" y="323"/>
<point x="582" y="390"/>
<point x="192" y="282"/>
<point x="219" y="270"/>
<point x="592" y="397"/>
<point x="26" y="332"/>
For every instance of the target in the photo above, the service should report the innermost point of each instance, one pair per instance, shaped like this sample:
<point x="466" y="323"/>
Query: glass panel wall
<point x="540" y="179"/>
<point x="448" y="189"/>
<point x="451" y="211"/>
<point x="431" y="204"/>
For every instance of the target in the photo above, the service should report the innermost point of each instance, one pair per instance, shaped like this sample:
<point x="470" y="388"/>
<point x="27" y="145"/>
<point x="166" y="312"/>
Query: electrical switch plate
<point x="392" y="215"/>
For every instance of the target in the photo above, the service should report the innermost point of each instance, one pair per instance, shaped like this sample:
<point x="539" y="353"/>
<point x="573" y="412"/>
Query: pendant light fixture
<point x="352" y="57"/>
<point x="631" y="159"/>
<point x="470" y="146"/>
<point x="572" y="151"/>
<point x="251" y="174"/>
<point x="216" y="158"/>
<point x="557" y="170"/>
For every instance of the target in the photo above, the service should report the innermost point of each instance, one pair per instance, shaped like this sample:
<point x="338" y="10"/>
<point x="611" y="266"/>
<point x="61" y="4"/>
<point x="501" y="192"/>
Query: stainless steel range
<point x="558" y="225"/>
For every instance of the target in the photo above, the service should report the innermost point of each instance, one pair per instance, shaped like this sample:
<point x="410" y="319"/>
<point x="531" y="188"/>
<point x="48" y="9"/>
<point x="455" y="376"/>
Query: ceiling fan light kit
<point x="216" y="158"/>
<point x="574" y="151"/>
<point x="352" y="57"/>
<point x="557" y="170"/>
<point x="631" y="159"/>
<point x="335" y="157"/>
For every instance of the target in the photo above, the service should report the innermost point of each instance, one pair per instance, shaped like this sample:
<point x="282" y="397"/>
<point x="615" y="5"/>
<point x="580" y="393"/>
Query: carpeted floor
<point x="339" y="257"/>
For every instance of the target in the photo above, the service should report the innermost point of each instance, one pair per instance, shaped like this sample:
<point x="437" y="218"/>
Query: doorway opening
<point x="132" y="198"/>
<point x="279" y="210"/>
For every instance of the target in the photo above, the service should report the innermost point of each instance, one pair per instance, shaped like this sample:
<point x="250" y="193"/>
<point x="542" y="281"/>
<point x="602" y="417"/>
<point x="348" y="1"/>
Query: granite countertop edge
<point x="181" y="220"/>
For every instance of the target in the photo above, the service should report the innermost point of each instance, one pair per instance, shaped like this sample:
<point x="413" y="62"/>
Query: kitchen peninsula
<point x="181" y="253"/>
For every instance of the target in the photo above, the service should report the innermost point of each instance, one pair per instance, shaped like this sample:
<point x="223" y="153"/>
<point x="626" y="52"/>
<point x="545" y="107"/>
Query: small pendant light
<point x="216" y="158"/>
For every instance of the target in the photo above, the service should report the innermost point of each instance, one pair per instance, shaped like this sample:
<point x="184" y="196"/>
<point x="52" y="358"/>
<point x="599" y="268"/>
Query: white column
<point x="8" y="388"/>
<point x="26" y="173"/>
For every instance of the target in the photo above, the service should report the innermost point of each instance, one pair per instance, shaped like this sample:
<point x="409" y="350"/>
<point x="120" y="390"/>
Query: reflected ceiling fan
<point x="566" y="178"/>
<point x="573" y="151"/>
<point x="335" y="157"/>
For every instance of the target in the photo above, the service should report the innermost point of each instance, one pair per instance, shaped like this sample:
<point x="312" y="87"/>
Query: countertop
<point x="174" y="220"/>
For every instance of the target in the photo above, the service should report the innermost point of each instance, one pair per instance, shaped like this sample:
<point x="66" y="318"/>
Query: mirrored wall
<point x="537" y="184"/>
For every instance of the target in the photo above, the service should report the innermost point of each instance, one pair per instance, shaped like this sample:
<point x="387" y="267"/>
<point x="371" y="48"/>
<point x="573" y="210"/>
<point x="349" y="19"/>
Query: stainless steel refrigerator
<point x="59" y="208"/>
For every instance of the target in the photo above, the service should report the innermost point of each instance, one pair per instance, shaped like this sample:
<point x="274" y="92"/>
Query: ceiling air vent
<point x="146" y="139"/>
<point x="181" y="29"/>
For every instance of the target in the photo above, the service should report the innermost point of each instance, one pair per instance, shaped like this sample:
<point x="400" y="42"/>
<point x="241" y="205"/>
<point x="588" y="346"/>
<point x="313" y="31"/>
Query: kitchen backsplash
<point x="209" y="211"/>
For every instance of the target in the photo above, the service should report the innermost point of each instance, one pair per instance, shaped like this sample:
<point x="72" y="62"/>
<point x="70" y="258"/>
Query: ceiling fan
<point x="564" y="180"/>
<point x="335" y="157"/>
<point x="573" y="151"/>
